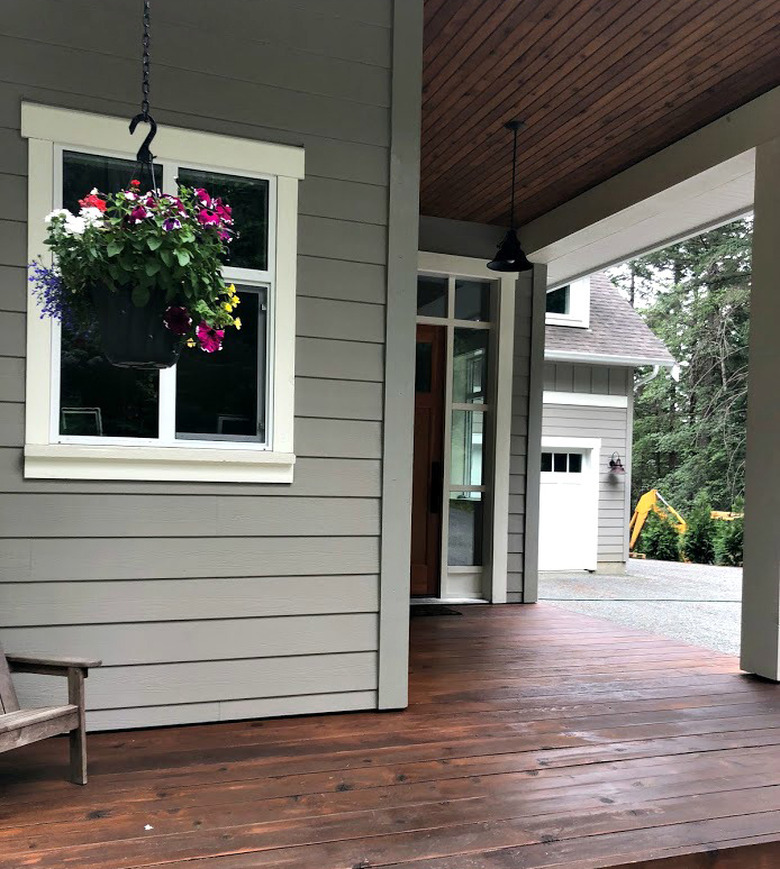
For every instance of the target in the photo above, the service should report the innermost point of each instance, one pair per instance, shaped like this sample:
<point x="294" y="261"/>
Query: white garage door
<point x="568" y="508"/>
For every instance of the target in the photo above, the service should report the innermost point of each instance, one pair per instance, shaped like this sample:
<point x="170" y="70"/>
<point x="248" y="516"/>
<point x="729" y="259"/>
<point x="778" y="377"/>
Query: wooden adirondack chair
<point x="21" y="726"/>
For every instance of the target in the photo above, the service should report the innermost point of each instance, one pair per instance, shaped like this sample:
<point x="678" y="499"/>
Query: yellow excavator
<point x="654" y="501"/>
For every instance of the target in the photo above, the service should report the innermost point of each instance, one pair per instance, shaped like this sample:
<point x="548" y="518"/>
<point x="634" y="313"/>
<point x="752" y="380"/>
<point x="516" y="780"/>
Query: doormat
<point x="421" y="609"/>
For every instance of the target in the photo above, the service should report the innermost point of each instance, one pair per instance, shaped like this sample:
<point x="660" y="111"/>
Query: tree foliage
<point x="660" y="540"/>
<point x="698" y="544"/>
<point x="689" y="435"/>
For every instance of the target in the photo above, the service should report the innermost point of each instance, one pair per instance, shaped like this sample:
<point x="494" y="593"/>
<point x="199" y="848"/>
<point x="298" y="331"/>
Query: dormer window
<point x="569" y="304"/>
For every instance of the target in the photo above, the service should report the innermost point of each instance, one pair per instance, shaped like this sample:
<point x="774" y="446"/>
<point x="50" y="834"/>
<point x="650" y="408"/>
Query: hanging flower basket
<point x="144" y="270"/>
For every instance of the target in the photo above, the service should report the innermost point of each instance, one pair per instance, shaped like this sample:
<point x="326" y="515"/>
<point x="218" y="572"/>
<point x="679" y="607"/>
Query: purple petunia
<point x="177" y="319"/>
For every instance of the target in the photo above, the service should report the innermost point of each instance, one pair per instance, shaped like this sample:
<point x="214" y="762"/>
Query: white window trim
<point x="49" y="129"/>
<point x="579" y="305"/>
<point x="584" y="399"/>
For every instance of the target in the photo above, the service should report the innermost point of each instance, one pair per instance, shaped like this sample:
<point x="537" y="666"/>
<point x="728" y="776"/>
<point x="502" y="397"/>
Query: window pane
<point x="559" y="463"/>
<point x="424" y="368"/>
<point x="432" y="296"/>
<point x="558" y="301"/>
<point x="575" y="463"/>
<point x="470" y="366"/>
<point x="221" y="396"/>
<point x="248" y="197"/>
<point x="546" y="462"/>
<point x="82" y="172"/>
<point x="472" y="300"/>
<point x="465" y="529"/>
<point x="97" y="399"/>
<point x="466" y="447"/>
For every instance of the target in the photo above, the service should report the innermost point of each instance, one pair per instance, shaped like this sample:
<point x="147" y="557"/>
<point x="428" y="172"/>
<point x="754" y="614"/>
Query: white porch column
<point x="761" y="583"/>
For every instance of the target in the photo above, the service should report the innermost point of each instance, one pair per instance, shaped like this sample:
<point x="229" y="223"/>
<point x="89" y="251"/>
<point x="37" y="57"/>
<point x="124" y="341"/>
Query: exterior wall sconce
<point x="616" y="465"/>
<point x="510" y="256"/>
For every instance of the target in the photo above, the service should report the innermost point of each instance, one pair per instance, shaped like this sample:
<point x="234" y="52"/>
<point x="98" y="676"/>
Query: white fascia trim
<point x="604" y="359"/>
<point x="170" y="464"/>
<point x="584" y="399"/>
<point x="572" y="443"/>
<point x="108" y="133"/>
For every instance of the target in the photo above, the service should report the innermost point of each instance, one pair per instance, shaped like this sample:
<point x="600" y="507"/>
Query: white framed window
<point x="222" y="417"/>
<point x="569" y="304"/>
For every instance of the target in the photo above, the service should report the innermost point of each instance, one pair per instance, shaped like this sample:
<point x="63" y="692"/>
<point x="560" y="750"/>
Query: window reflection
<point x="470" y="366"/>
<point x="464" y="547"/>
<point x="221" y="396"/>
<point x="466" y="447"/>
<point x="472" y="300"/>
<point x="432" y="296"/>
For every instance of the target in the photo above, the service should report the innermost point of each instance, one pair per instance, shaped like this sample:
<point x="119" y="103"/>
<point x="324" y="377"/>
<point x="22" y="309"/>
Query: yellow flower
<point x="190" y="342"/>
<point x="237" y="322"/>
<point x="227" y="306"/>
<point x="231" y="289"/>
<point x="234" y="301"/>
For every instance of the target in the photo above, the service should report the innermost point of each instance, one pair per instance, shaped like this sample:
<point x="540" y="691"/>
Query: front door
<point x="428" y="481"/>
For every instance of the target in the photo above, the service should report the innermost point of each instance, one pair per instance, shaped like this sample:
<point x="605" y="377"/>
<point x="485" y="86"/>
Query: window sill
<point x="170" y="464"/>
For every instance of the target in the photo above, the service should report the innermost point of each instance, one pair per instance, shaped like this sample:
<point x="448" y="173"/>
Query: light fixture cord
<point x="514" y="176"/>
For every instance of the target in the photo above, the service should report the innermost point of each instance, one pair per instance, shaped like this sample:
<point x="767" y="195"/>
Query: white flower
<point x="75" y="225"/>
<point x="92" y="216"/>
<point x="58" y="212"/>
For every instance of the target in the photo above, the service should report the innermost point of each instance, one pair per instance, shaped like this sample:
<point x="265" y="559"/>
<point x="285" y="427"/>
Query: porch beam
<point x="761" y="578"/>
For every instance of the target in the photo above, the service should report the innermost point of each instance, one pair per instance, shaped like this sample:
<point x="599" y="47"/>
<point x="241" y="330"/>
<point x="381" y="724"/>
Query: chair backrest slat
<point x="8" y="699"/>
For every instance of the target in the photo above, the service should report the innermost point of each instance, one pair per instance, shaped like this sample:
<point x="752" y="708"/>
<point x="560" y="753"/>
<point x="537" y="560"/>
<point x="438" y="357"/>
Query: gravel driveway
<point x="695" y="603"/>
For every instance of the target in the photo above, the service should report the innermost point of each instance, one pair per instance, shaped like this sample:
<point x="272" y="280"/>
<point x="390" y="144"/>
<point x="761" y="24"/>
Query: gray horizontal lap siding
<point x="612" y="425"/>
<point x="216" y="601"/>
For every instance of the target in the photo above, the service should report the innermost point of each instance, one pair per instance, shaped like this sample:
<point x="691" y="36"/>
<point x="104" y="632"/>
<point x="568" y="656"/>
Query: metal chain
<point x="146" y="40"/>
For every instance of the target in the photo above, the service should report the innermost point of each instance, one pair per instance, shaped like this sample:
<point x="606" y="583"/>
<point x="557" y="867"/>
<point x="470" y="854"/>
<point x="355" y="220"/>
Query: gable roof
<point x="617" y="334"/>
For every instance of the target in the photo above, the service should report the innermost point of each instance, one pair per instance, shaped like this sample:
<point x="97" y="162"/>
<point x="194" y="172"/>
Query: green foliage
<point x="729" y="539"/>
<point x="660" y="539"/>
<point x="169" y="246"/>
<point x="689" y="435"/>
<point x="698" y="544"/>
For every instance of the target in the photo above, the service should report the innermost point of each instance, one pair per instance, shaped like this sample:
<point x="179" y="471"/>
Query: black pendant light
<point x="510" y="256"/>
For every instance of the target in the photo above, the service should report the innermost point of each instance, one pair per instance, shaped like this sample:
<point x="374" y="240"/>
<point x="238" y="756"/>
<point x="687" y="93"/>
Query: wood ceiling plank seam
<point x="534" y="61"/>
<point x="493" y="55"/>
<point x="431" y="9"/>
<point x="484" y="25"/>
<point x="536" y="121"/>
<point x="769" y="65"/>
<point x="598" y="47"/>
<point x="629" y="88"/>
<point x="576" y="154"/>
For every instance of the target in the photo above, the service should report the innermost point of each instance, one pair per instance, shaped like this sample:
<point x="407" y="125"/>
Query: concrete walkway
<point x="695" y="603"/>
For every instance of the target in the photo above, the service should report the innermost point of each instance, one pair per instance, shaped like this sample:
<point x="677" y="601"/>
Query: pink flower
<point x="93" y="201"/>
<point x="171" y="223"/>
<point x="202" y="195"/>
<point x="177" y="319"/>
<point x="206" y="217"/>
<point x="210" y="339"/>
<point x="139" y="213"/>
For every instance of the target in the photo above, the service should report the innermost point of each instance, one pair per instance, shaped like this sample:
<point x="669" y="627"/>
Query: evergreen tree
<point x="660" y="539"/>
<point x="689" y="435"/>
<point x="699" y="541"/>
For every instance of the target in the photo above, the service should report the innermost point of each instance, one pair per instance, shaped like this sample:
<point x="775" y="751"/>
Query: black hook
<point x="144" y="154"/>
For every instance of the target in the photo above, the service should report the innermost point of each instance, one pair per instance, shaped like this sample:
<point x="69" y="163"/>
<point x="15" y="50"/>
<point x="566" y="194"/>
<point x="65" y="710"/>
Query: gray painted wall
<point x="211" y="601"/>
<point x="613" y="426"/>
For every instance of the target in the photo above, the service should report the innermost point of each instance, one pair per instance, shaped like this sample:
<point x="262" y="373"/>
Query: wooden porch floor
<point x="536" y="737"/>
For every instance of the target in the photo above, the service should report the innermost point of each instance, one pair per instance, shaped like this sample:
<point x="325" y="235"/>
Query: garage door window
<point x="561" y="463"/>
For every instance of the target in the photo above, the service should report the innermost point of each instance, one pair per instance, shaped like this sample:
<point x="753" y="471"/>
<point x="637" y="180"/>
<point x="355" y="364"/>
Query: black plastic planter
<point x="133" y="336"/>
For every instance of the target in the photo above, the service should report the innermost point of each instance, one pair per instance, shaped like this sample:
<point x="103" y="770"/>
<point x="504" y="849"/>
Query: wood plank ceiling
<point x="600" y="84"/>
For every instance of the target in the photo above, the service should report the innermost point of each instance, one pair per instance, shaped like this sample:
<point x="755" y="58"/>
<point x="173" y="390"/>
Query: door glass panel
<point x="465" y="529"/>
<point x="248" y="198"/>
<point x="558" y="301"/>
<point x="470" y="366"/>
<point x="575" y="463"/>
<point x="559" y="463"/>
<point x="221" y="396"/>
<point x="423" y="372"/>
<point x="466" y="447"/>
<point x="546" y="463"/>
<point x="472" y="300"/>
<point x="432" y="296"/>
<point x="97" y="399"/>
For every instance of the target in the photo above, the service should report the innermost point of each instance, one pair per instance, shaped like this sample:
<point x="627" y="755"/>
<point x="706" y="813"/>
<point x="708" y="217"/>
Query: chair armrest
<point x="49" y="664"/>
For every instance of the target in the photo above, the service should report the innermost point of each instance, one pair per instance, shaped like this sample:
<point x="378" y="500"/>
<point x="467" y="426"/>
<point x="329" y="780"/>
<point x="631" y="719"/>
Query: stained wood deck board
<point x="535" y="738"/>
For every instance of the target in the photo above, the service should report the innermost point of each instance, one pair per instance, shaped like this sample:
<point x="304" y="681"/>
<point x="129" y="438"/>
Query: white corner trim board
<point x="584" y="399"/>
<point x="51" y="130"/>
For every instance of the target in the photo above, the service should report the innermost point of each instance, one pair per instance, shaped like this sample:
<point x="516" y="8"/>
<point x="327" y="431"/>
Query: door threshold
<point x="439" y="601"/>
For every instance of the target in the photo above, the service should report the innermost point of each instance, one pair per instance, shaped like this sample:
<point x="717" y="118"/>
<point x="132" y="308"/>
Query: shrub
<point x="729" y="542"/>
<point x="660" y="539"/>
<point x="698" y="544"/>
